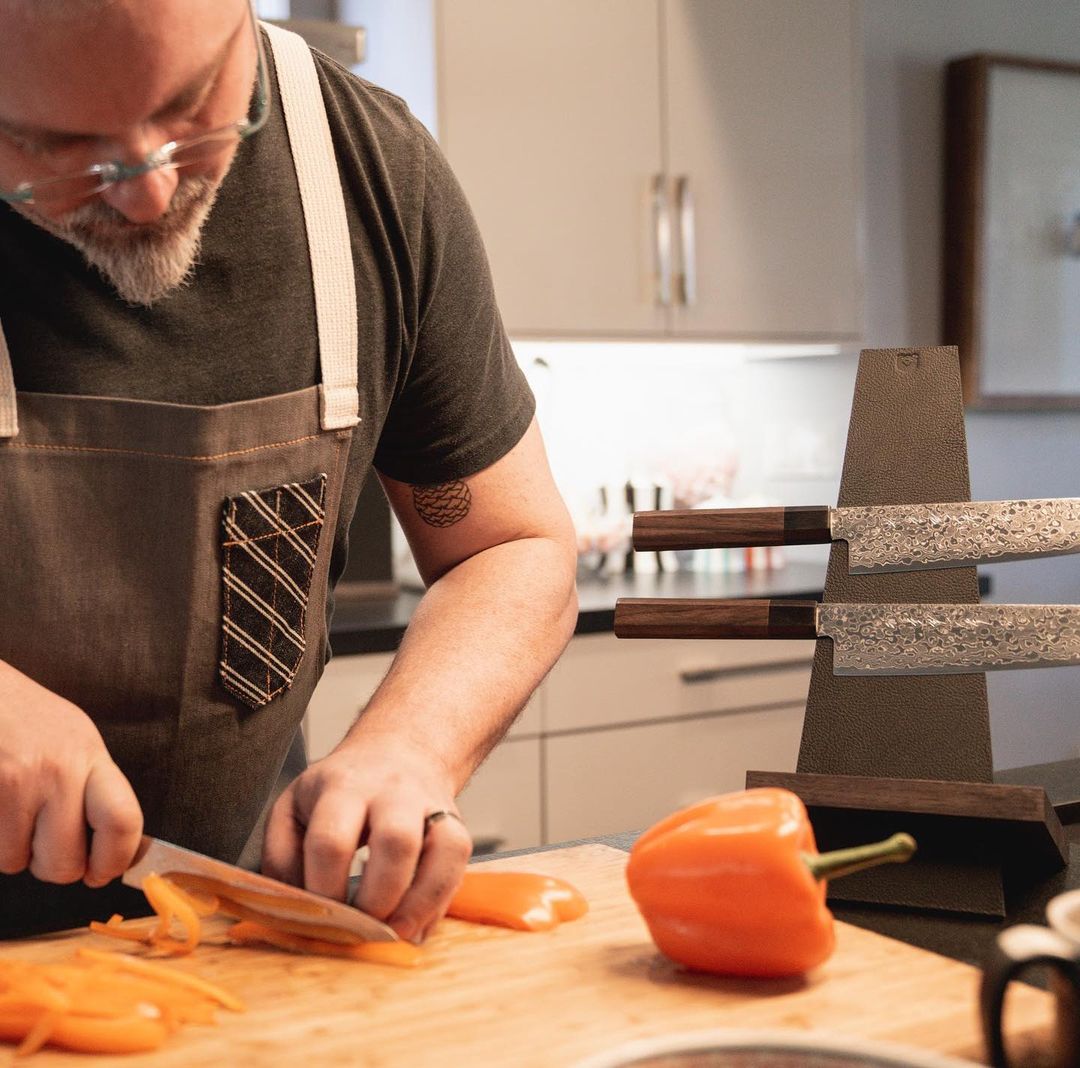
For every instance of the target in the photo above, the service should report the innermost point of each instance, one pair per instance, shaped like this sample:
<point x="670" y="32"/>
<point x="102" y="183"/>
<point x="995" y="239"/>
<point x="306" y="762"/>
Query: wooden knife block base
<point x="973" y="838"/>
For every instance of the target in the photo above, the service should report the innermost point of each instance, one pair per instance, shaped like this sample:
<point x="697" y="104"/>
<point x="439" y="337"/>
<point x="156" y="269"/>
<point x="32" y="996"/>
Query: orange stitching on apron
<point x="162" y="455"/>
<point x="272" y="534"/>
<point x="273" y="595"/>
<point x="228" y="593"/>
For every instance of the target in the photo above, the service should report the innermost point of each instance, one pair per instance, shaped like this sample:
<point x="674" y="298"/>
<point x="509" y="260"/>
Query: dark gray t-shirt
<point x="441" y="396"/>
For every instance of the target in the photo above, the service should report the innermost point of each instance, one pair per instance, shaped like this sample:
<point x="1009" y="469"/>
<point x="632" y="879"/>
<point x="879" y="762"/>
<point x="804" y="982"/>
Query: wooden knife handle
<point x="688" y="617"/>
<point x="723" y="528"/>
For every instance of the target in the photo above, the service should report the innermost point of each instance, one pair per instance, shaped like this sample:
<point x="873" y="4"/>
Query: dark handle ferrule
<point x="728" y="528"/>
<point x="687" y="617"/>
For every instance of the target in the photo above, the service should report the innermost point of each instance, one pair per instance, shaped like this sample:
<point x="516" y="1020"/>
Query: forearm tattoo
<point x="442" y="505"/>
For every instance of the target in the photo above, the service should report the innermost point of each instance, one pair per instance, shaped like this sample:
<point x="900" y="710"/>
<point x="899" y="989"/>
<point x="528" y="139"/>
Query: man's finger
<point x="114" y="816"/>
<point x="16" y="830"/>
<point x="331" y="839"/>
<point x="283" y="842"/>
<point x="58" y="846"/>
<point x="395" y="843"/>
<point x="447" y="848"/>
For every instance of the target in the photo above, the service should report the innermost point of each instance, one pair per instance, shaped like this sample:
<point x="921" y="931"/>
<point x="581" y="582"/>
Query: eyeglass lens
<point x="80" y="186"/>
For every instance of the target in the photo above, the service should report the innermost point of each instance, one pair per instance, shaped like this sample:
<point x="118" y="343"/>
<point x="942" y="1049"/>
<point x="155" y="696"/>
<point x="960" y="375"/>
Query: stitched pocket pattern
<point x="270" y="539"/>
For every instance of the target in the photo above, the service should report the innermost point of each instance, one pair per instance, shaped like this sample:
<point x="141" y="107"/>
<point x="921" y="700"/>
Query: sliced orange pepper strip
<point x="520" y="900"/>
<point x="35" y="992"/>
<point x="29" y="1004"/>
<point x="39" y="1033"/>
<point x="169" y="902"/>
<point x="122" y="990"/>
<point x="166" y="976"/>
<point x="401" y="954"/>
<point x="113" y="930"/>
<point x="123" y="1034"/>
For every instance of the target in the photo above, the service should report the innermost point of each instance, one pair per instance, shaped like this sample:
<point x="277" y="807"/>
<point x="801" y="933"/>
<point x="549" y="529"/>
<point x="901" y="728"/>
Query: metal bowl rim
<point x="624" y="1056"/>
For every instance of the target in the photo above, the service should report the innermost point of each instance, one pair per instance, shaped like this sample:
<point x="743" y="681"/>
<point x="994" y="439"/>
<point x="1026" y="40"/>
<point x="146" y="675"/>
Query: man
<point x="233" y="281"/>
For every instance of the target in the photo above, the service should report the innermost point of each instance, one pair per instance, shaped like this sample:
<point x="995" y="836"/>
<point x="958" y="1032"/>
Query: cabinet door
<point x="346" y="686"/>
<point x="627" y="778"/>
<point x="549" y="114"/>
<point x="501" y="804"/>
<point x="602" y="680"/>
<point x="761" y="116"/>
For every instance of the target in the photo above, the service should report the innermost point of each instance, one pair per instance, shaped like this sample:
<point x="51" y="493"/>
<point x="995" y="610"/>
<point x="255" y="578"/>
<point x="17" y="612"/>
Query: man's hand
<point x="375" y="790"/>
<point x="56" y="776"/>
<point x="500" y="607"/>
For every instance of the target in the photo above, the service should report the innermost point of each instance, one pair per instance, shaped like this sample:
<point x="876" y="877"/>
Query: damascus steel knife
<point x="875" y="639"/>
<point x="880" y="538"/>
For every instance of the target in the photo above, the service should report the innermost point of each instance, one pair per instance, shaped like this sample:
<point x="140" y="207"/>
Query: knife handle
<point x="725" y="528"/>
<point x="688" y="617"/>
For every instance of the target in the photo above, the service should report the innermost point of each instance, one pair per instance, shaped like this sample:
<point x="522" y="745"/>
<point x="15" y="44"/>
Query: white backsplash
<point x="764" y="425"/>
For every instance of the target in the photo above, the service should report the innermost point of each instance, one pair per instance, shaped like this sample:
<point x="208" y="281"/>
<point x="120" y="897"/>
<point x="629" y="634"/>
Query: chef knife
<point x="875" y="639"/>
<point x="881" y="538"/>
<point x="247" y="894"/>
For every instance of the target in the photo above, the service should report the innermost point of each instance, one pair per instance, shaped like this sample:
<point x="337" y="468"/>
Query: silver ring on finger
<point x="438" y="816"/>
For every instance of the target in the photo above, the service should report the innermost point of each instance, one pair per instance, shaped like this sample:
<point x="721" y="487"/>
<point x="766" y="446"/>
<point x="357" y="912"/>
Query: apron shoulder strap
<point x="9" y="418"/>
<point x="329" y="246"/>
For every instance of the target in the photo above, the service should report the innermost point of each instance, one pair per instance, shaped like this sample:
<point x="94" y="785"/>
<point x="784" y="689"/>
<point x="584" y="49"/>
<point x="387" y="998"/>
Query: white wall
<point x="400" y="50"/>
<point x="1035" y="714"/>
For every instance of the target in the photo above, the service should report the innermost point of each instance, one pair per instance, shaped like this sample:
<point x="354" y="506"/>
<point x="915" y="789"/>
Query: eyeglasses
<point x="71" y="188"/>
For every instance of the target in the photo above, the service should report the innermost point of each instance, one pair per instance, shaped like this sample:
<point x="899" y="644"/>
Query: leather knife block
<point x="887" y="753"/>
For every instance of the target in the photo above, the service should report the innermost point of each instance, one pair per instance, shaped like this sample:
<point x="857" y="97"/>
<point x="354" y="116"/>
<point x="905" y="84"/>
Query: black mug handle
<point x="1015" y="950"/>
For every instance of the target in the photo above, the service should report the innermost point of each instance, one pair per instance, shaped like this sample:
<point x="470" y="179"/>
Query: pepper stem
<point x="894" y="850"/>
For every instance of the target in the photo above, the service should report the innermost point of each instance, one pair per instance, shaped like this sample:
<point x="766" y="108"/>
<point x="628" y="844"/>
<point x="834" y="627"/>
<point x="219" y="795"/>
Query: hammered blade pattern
<point x="914" y="536"/>
<point x="932" y="639"/>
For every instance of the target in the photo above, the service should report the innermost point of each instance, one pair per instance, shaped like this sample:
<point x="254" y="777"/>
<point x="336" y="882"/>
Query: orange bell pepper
<point x="735" y="884"/>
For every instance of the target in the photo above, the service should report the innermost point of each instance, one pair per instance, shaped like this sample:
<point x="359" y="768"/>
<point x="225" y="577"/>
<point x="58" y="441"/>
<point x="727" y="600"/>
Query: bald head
<point x="98" y="67"/>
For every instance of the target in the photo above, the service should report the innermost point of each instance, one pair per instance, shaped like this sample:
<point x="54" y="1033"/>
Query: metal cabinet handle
<point x="687" y="280"/>
<point x="662" y="243"/>
<point x="696" y="676"/>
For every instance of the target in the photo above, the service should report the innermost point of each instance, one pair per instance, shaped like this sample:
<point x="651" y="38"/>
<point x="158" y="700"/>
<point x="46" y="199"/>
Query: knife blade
<point x="247" y="895"/>
<point x="875" y="639"/>
<point x="881" y="538"/>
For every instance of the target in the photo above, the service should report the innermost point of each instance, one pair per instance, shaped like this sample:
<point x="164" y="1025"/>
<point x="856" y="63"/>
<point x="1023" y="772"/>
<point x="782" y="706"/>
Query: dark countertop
<point x="962" y="938"/>
<point x="376" y="624"/>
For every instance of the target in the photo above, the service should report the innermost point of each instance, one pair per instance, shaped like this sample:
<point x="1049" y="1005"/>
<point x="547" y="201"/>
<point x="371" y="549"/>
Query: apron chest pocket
<point x="270" y="539"/>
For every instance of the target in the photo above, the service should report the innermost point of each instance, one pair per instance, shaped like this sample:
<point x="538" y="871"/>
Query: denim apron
<point x="164" y="566"/>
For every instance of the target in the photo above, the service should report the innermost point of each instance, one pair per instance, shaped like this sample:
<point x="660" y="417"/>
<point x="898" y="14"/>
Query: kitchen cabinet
<point x="634" y="730"/>
<point x="619" y="734"/>
<point x="630" y="777"/>
<point x="680" y="168"/>
<point x="604" y="681"/>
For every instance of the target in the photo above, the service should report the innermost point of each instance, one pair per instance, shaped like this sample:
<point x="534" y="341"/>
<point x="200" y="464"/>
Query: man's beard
<point x="143" y="261"/>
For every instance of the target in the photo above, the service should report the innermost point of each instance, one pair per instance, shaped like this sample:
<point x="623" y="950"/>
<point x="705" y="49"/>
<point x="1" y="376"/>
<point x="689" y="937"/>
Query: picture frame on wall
<point x="1011" y="298"/>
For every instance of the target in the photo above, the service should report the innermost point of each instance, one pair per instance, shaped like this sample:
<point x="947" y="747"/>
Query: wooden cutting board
<point x="496" y="997"/>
